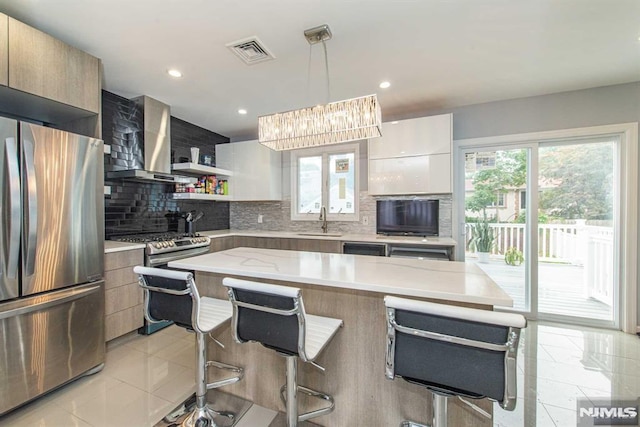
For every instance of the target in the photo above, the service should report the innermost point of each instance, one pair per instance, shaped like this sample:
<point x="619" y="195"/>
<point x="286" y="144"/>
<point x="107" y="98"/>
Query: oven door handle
<point x="163" y="259"/>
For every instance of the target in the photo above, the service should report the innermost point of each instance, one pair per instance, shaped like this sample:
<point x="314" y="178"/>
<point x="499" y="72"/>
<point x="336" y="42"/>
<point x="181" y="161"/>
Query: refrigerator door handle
<point x="30" y="218"/>
<point x="38" y="303"/>
<point x="12" y="252"/>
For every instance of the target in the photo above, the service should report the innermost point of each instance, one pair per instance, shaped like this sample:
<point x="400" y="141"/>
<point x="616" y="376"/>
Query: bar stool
<point x="453" y="352"/>
<point x="172" y="295"/>
<point x="275" y="317"/>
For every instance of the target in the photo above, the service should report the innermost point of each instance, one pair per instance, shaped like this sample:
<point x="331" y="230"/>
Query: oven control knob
<point x="157" y="245"/>
<point x="171" y="243"/>
<point x="165" y="244"/>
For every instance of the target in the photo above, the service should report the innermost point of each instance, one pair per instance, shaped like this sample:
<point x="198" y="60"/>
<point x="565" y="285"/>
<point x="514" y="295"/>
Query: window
<point x="523" y="199"/>
<point x="325" y="177"/>
<point x="499" y="202"/>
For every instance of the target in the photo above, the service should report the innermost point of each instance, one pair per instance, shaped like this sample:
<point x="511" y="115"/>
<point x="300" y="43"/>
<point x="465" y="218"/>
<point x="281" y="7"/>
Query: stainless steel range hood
<point x="155" y="140"/>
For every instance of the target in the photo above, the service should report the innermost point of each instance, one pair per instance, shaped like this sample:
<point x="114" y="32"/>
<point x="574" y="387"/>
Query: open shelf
<point x="200" y="196"/>
<point x="198" y="169"/>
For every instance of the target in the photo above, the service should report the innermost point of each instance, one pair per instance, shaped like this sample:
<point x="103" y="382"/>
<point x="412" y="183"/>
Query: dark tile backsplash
<point x="141" y="207"/>
<point x="184" y="135"/>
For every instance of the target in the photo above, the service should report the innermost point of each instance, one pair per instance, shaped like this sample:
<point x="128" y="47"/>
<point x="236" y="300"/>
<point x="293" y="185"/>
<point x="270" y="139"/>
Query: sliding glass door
<point x="576" y="229"/>
<point x="495" y="219"/>
<point x="540" y="219"/>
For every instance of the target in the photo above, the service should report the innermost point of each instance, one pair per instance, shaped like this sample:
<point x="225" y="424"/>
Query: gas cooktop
<point x="158" y="243"/>
<point x="153" y="237"/>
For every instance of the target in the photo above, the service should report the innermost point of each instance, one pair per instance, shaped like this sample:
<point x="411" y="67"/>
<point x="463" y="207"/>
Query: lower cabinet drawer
<point x="123" y="322"/>
<point x="122" y="297"/>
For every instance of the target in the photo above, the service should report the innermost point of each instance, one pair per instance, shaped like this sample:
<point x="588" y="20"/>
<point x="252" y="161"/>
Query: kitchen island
<point x="352" y="288"/>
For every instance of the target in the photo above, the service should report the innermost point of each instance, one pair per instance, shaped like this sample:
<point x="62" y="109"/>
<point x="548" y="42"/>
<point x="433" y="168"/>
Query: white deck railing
<point x="582" y="245"/>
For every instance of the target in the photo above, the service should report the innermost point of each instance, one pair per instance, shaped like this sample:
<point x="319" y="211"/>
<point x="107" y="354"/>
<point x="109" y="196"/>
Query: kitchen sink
<point x="320" y="234"/>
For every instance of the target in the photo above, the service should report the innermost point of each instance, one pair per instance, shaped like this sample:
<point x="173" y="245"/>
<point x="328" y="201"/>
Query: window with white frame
<point x="325" y="177"/>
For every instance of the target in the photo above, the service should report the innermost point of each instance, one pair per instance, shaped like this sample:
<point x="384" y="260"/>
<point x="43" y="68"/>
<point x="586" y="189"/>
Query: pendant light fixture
<point x="342" y="121"/>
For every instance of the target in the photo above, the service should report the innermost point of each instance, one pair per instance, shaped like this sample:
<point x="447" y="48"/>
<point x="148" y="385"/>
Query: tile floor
<point x="146" y="377"/>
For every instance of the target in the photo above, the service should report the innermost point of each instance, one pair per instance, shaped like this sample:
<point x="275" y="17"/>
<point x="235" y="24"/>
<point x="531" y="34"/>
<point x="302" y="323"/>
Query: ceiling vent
<point x="251" y="50"/>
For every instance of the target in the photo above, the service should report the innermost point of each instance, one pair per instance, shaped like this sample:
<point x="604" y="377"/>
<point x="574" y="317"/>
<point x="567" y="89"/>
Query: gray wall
<point x="583" y="108"/>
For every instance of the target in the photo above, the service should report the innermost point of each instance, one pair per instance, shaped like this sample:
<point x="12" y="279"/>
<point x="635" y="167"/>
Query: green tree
<point x="577" y="181"/>
<point x="510" y="171"/>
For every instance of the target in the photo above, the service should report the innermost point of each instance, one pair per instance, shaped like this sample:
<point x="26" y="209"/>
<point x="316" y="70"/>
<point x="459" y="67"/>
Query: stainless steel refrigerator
<point x="52" y="259"/>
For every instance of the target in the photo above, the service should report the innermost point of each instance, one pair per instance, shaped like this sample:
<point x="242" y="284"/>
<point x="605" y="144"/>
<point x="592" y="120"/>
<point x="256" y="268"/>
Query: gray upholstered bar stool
<point x="172" y="295"/>
<point x="275" y="317"/>
<point x="454" y="352"/>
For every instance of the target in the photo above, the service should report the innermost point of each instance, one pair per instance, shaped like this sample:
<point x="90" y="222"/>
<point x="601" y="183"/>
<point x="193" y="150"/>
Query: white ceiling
<point x="437" y="54"/>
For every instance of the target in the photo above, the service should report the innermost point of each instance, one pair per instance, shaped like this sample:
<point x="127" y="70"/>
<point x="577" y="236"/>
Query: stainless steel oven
<point x="160" y="250"/>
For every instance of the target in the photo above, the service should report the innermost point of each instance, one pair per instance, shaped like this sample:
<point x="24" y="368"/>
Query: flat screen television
<point x="407" y="217"/>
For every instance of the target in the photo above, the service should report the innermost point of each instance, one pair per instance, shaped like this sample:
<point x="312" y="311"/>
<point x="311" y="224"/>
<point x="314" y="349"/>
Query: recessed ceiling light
<point x="174" y="73"/>
<point x="384" y="85"/>
<point x="395" y="122"/>
<point x="242" y="111"/>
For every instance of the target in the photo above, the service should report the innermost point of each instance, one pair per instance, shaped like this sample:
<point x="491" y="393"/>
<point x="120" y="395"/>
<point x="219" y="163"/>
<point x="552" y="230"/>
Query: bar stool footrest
<point x="312" y="393"/>
<point x="227" y="381"/>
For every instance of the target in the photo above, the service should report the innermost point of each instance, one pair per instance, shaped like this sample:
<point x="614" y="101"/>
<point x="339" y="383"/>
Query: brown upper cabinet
<point x="4" y="49"/>
<point x="44" y="66"/>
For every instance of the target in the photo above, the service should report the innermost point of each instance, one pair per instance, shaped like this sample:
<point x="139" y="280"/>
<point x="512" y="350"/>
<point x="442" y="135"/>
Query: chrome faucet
<point x="323" y="218"/>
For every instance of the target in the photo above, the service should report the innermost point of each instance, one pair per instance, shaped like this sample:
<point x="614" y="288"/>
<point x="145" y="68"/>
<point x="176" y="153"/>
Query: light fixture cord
<point x="326" y="63"/>
<point x="309" y="74"/>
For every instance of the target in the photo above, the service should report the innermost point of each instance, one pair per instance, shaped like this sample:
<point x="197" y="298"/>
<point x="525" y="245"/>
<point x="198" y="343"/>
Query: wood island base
<point x="354" y="363"/>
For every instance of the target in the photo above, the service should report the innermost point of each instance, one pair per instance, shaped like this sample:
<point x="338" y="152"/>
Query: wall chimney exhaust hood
<point x="155" y="142"/>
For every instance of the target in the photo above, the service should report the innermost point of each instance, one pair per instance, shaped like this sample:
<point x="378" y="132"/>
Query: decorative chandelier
<point x="342" y="121"/>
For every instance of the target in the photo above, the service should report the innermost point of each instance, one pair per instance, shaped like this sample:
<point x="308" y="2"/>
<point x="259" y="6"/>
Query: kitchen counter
<point x="351" y="288"/>
<point x="347" y="237"/>
<point x="450" y="281"/>
<point x="111" y="246"/>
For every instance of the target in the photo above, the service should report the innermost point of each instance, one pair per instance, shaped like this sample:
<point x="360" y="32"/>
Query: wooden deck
<point x="561" y="289"/>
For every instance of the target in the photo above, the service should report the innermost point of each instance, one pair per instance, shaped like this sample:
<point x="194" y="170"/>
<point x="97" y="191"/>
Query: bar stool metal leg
<point x="439" y="404"/>
<point x="292" y="391"/>
<point x="202" y="416"/>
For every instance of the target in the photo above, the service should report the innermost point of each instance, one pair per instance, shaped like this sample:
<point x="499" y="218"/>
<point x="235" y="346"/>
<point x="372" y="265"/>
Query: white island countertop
<point x="450" y="281"/>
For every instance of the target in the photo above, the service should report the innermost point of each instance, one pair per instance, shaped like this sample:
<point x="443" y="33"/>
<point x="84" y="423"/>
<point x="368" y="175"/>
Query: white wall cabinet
<point x="257" y="170"/>
<point x="429" y="174"/>
<point x="412" y="157"/>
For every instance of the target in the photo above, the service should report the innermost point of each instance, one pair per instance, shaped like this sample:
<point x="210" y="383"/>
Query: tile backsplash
<point x="141" y="207"/>
<point x="276" y="216"/>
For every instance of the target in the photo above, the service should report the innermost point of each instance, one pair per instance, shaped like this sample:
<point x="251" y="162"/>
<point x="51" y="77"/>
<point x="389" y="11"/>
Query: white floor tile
<point x="257" y="416"/>
<point x="145" y="377"/>
<point x="48" y="415"/>
<point x="562" y="416"/>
